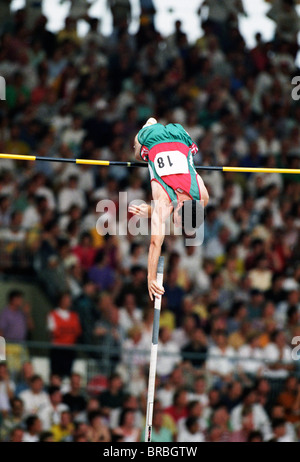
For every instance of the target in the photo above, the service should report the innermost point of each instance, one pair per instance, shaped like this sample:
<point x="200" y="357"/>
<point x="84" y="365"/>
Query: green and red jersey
<point x="169" y="151"/>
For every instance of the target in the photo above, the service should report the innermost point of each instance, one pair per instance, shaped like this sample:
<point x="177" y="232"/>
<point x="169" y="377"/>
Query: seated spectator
<point x="85" y="251"/>
<point x="114" y="396"/>
<point x="160" y="433"/>
<point x="197" y="346"/>
<point x="33" y="429"/>
<point x="169" y="353"/>
<point x="75" y="399"/>
<point x="199" y="391"/>
<point x="129" y="402"/>
<point x="260" y="417"/>
<point x="13" y="419"/>
<point x="255" y="437"/>
<point x="279" y="434"/>
<point x="51" y="414"/>
<point x="98" y="431"/>
<point x="195" y="411"/>
<point x="191" y="433"/>
<point x="101" y="273"/>
<point x="126" y="428"/>
<point x="17" y="435"/>
<point x="46" y="437"/>
<point x="251" y="356"/>
<point x="233" y="395"/>
<point x="168" y="388"/>
<point x="219" y="362"/>
<point x="35" y="399"/>
<point x="242" y="435"/>
<point x="64" y="428"/>
<point x="221" y="419"/>
<point x="277" y="412"/>
<point x="179" y="408"/>
<point x="278" y="357"/>
<point x="27" y="372"/>
<point x="130" y="314"/>
<point x="289" y="398"/>
<point x="7" y="389"/>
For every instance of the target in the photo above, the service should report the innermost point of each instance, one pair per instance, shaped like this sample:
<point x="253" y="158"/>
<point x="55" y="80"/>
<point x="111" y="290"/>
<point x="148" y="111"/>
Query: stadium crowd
<point x="226" y="370"/>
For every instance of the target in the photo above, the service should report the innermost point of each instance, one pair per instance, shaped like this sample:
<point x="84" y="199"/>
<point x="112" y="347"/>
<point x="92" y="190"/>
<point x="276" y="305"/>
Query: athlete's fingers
<point x="158" y="289"/>
<point x="134" y="209"/>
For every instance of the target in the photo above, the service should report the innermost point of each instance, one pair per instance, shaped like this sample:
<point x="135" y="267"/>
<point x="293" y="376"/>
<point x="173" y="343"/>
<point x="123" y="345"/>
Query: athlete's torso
<point x="169" y="152"/>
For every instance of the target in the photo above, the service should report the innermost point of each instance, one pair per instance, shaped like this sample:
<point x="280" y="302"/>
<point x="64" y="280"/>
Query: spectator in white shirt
<point x="199" y="392"/>
<point x="34" y="399"/>
<point x="260" y="417"/>
<point x="50" y="415"/>
<point x="33" y="429"/>
<point x="251" y="356"/>
<point x="220" y="363"/>
<point x="71" y="195"/>
<point x="130" y="315"/>
<point x="280" y="434"/>
<point x="191" y="432"/>
<point x="168" y="351"/>
<point x="32" y="214"/>
<point x="134" y="349"/>
<point x="278" y="356"/>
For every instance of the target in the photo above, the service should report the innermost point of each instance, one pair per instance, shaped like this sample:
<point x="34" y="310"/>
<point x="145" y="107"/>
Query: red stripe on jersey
<point x="163" y="147"/>
<point x="182" y="181"/>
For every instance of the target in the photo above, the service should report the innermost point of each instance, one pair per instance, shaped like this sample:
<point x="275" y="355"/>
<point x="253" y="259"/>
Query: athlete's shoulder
<point x="147" y="133"/>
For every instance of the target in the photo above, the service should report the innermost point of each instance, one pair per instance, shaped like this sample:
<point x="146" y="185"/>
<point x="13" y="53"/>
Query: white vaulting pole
<point x="153" y="356"/>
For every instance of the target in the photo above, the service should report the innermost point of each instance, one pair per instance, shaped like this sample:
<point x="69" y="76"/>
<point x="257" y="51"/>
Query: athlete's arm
<point x="157" y="237"/>
<point x="203" y="191"/>
<point x="137" y="149"/>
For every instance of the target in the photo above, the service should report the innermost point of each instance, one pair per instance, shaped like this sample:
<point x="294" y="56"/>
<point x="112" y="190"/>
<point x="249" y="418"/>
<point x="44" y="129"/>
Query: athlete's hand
<point x="139" y="210"/>
<point x="155" y="290"/>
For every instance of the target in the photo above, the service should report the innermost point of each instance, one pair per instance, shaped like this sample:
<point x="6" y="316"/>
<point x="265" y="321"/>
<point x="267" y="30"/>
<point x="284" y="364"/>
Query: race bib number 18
<point x="171" y="163"/>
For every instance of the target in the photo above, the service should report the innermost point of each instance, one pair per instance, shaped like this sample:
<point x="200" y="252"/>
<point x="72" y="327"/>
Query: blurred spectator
<point x="178" y="409"/>
<point x="17" y="435"/>
<point x="219" y="361"/>
<point x="85" y="307"/>
<point x="126" y="429"/>
<point x="14" y="418"/>
<point x="289" y="398"/>
<point x="64" y="428"/>
<point x="160" y="433"/>
<point x="7" y="388"/>
<point x="198" y="345"/>
<point x="260" y="418"/>
<point x="97" y="432"/>
<point x="130" y="314"/>
<point x="113" y="397"/>
<point x="27" y="372"/>
<point x="242" y="436"/>
<point x="64" y="326"/>
<point x="50" y="415"/>
<point x="171" y="353"/>
<point x="191" y="433"/>
<point x="74" y="398"/>
<point x="278" y="356"/>
<point x="15" y="319"/>
<point x="35" y="399"/>
<point x="33" y="429"/>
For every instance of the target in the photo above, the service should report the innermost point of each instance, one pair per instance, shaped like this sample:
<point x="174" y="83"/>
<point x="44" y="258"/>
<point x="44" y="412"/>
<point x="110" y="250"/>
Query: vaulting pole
<point x="153" y="357"/>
